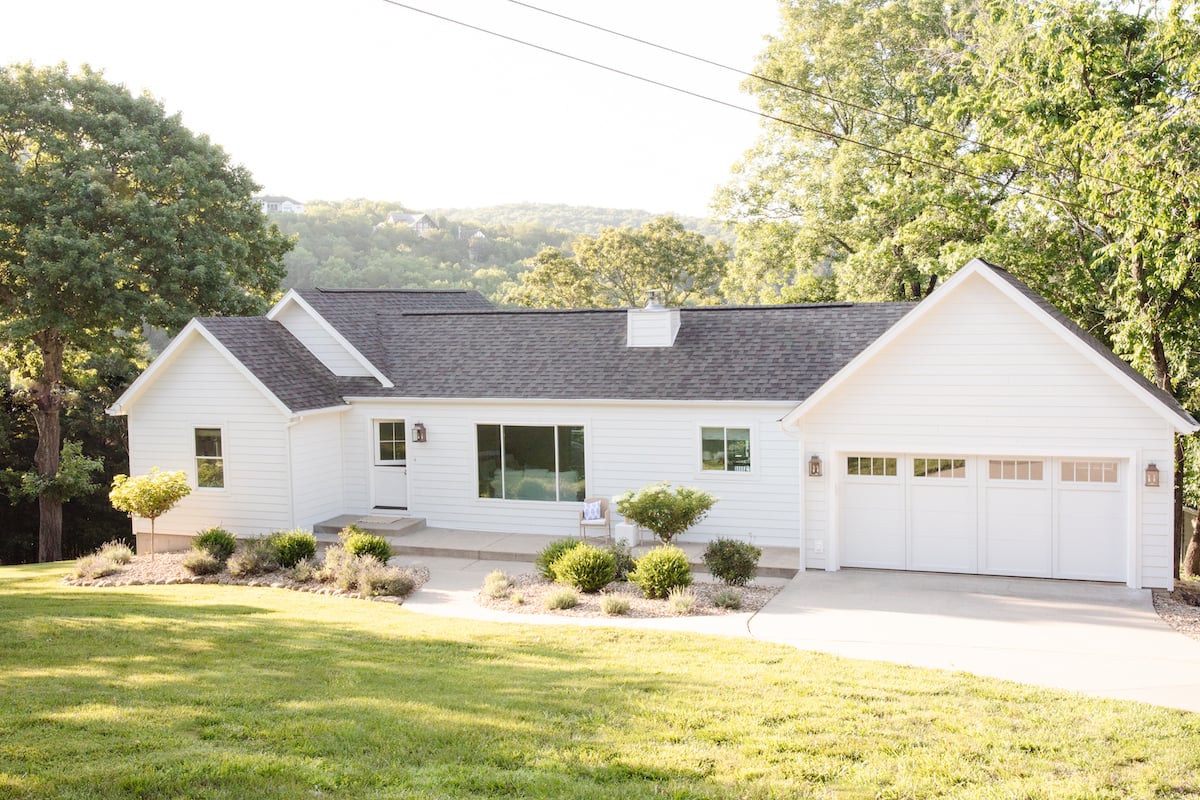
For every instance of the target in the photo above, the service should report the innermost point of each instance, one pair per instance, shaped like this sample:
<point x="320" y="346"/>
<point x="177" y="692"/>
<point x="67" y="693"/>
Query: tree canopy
<point x="619" y="266"/>
<point x="113" y="216"/>
<point x="1058" y="138"/>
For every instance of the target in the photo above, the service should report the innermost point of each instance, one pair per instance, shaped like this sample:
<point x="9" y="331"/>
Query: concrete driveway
<point x="1098" y="639"/>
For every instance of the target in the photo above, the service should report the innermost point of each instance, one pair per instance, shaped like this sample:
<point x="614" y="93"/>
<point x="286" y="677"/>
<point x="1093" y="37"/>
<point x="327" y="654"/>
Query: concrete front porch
<point x="409" y="536"/>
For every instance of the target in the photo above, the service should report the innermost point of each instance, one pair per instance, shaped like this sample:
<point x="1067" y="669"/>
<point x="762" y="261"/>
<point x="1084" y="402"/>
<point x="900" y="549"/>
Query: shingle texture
<point x="360" y="314"/>
<point x="276" y="358"/>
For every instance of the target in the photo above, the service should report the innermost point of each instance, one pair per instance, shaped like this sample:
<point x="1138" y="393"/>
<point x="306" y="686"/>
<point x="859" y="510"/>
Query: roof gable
<point x="1039" y="309"/>
<point x="294" y="299"/>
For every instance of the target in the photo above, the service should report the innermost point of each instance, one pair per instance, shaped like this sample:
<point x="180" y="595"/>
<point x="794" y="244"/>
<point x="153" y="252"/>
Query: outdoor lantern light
<point x="814" y="467"/>
<point x="418" y="432"/>
<point x="1151" y="475"/>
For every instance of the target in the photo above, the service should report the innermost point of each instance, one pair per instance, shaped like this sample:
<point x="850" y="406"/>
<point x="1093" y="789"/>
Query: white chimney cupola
<point x="652" y="326"/>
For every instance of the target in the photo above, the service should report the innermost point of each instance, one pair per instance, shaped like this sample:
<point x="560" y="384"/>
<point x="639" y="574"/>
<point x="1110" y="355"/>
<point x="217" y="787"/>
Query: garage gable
<point x="985" y="342"/>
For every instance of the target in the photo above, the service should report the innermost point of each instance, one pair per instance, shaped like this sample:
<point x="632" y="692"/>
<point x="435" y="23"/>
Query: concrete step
<point x="379" y="524"/>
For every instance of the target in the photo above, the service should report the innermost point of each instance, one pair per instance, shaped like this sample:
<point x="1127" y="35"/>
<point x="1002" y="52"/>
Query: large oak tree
<point x="113" y="216"/>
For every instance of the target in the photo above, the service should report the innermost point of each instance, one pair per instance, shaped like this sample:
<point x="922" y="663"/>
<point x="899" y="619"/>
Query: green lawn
<point x="233" y="692"/>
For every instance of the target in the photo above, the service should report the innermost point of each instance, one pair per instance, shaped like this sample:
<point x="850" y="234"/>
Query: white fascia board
<point x="293" y="296"/>
<point x="189" y="332"/>
<point x="979" y="267"/>
<point x="778" y="405"/>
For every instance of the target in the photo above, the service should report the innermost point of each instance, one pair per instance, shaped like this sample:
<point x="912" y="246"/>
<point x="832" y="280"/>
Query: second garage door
<point x="1035" y="517"/>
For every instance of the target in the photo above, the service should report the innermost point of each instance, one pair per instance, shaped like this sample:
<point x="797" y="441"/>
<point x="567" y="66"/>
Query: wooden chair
<point x="603" y="521"/>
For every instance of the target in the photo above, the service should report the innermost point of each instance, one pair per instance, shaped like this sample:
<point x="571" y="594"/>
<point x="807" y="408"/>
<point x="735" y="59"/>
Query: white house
<point x="273" y="204"/>
<point x="979" y="431"/>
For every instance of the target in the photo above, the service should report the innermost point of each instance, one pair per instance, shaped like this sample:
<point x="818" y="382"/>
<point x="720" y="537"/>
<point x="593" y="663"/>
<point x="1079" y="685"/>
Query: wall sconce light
<point x="418" y="432"/>
<point x="814" y="467"/>
<point x="1151" y="475"/>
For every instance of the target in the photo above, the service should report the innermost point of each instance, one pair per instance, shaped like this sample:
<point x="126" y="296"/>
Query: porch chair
<point x="594" y="514"/>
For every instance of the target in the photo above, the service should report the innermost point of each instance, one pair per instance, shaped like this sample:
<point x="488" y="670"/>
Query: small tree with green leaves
<point x="664" y="511"/>
<point x="149" y="496"/>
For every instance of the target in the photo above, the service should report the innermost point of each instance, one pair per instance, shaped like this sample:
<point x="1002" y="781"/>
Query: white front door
<point x="389" y="471"/>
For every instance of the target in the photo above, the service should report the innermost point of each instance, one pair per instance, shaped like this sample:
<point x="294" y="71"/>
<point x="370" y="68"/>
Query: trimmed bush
<point x="682" y="601"/>
<point x="516" y="598"/>
<point x="202" y="562"/>
<point x="94" y="566"/>
<point x="623" y="556"/>
<point x="368" y="544"/>
<point x="253" y="557"/>
<point x="291" y="547"/>
<point x="116" y="551"/>
<point x="336" y="560"/>
<point x="550" y="554"/>
<point x="496" y="584"/>
<point x="614" y="605"/>
<point x="561" y="600"/>
<point x="664" y="511"/>
<point x="727" y="598"/>
<point x="305" y="570"/>
<point x="731" y="561"/>
<point x="376" y="578"/>
<point x="587" y="568"/>
<point x="219" y="542"/>
<point x="661" y="570"/>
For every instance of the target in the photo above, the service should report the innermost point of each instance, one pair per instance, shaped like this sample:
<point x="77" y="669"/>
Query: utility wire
<point x="1005" y="185"/>
<point x="827" y="98"/>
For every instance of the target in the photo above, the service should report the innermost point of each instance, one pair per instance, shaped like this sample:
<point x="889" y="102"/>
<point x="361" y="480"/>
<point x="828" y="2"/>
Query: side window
<point x="210" y="459"/>
<point x="725" y="449"/>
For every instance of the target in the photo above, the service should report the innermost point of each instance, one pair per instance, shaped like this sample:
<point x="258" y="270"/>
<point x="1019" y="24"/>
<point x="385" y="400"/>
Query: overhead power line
<point x="825" y="97"/>
<point x="1001" y="184"/>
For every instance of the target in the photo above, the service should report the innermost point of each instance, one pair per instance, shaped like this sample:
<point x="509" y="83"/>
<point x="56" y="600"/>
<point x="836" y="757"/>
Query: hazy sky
<point x="360" y="98"/>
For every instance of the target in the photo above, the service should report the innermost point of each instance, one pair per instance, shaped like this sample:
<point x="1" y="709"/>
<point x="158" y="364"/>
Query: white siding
<point x="319" y="341"/>
<point x="980" y="375"/>
<point x="627" y="446"/>
<point x="316" y="453"/>
<point x="202" y="389"/>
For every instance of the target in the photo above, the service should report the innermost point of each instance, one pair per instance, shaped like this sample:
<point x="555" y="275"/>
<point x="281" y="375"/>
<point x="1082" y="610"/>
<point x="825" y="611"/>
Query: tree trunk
<point x="1191" y="562"/>
<point x="47" y="405"/>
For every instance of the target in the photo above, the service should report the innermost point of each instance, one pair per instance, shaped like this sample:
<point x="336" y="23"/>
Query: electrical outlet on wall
<point x="819" y="546"/>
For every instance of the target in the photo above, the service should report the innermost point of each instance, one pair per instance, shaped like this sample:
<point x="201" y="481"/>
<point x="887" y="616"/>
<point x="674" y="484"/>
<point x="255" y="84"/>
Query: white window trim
<point x="196" y="460"/>
<point x="701" y="472"/>
<point x="556" y="503"/>
<point x="379" y="462"/>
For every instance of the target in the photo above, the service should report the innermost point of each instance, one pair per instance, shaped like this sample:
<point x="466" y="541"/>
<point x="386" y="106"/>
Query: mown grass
<point x="234" y="692"/>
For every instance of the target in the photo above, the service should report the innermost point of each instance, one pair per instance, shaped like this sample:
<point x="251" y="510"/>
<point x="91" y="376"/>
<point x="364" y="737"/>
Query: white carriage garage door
<point x="1031" y="517"/>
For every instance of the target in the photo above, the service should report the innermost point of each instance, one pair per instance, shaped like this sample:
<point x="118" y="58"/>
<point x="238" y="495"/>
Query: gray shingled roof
<point x="277" y="358"/>
<point x="772" y="353"/>
<point x="1092" y="342"/>
<point x="358" y="314"/>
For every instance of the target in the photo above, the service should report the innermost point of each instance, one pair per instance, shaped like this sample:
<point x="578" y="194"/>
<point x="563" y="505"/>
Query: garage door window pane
<point x="1015" y="469"/>
<point x="1089" y="471"/>
<point x="939" y="468"/>
<point x="874" y="466"/>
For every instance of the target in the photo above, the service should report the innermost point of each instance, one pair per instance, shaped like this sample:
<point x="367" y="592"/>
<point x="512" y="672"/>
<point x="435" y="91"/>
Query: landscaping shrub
<point x="623" y="556"/>
<point x="550" y="554"/>
<point x="587" y="568"/>
<point x="360" y="543"/>
<point x="218" y="542"/>
<point x="253" y="557"/>
<point x="562" y="599"/>
<point x="682" y="601"/>
<point x="116" y="551"/>
<point x="664" y="511"/>
<point x="305" y="570"/>
<point x="661" y="570"/>
<point x="614" y="605"/>
<point x="293" y="546"/>
<point x="496" y="584"/>
<point x="336" y="560"/>
<point x="731" y="561"/>
<point x="202" y="562"/>
<point x="94" y="566"/>
<point x="376" y="578"/>
<point x="516" y="598"/>
<point x="727" y="598"/>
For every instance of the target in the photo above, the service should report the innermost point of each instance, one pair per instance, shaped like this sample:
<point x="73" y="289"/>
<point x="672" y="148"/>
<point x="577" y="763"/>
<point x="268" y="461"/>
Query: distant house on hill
<point x="274" y="204"/>
<point x="471" y="234"/>
<point x="421" y="223"/>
